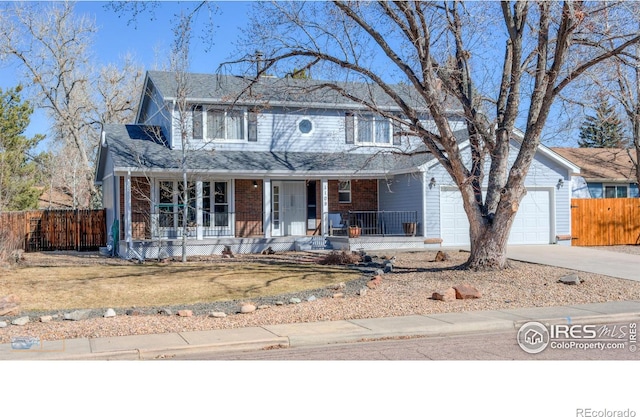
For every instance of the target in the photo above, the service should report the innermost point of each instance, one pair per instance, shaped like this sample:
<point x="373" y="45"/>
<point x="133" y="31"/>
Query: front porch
<point x="249" y="216"/>
<point x="154" y="235"/>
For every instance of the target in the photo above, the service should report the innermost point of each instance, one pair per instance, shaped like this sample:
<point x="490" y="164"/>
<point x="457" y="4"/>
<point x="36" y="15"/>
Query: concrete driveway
<point x="597" y="261"/>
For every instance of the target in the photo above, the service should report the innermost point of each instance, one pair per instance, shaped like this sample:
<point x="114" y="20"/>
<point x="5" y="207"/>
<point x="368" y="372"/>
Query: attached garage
<point x="534" y="222"/>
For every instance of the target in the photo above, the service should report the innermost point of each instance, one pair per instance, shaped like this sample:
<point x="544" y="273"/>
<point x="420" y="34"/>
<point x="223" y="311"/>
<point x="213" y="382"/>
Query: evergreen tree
<point x="18" y="171"/>
<point x="604" y="130"/>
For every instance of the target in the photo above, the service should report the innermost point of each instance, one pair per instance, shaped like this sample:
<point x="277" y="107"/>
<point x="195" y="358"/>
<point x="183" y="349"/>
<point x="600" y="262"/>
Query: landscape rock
<point x="571" y="279"/>
<point x="338" y="286"/>
<point x="295" y="300"/>
<point x="466" y="292"/>
<point x="46" y="319"/>
<point x="374" y="282"/>
<point x="441" y="256"/>
<point x="362" y="291"/>
<point x="226" y="252"/>
<point x="445" y="295"/>
<point x="134" y="312"/>
<point x="9" y="305"/>
<point x="388" y="267"/>
<point x="379" y="272"/>
<point x="109" y="313"/>
<point x="367" y="258"/>
<point x="279" y="303"/>
<point x="77" y="315"/>
<point x="21" y="321"/>
<point x="264" y="307"/>
<point x="165" y="312"/>
<point x="247" y="308"/>
<point x="268" y="251"/>
<point x="185" y="313"/>
<point x="218" y="314"/>
<point x="338" y="295"/>
<point x="311" y="298"/>
<point x="3" y="324"/>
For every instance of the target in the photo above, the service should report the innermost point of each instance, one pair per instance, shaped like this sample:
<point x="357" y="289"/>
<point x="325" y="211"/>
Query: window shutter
<point x="196" y="121"/>
<point x="349" y="128"/>
<point x="397" y="133"/>
<point x="252" y="126"/>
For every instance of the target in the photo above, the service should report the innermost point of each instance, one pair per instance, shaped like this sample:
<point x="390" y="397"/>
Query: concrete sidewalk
<point x="319" y="333"/>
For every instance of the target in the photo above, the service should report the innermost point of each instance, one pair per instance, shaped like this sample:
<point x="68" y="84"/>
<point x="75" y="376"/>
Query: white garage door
<point x="532" y="224"/>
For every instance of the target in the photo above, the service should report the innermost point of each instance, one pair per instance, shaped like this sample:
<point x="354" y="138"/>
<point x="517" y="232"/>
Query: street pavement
<point x="332" y="332"/>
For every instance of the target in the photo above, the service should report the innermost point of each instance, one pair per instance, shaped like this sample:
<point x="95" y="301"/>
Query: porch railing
<point x="168" y="224"/>
<point x="381" y="223"/>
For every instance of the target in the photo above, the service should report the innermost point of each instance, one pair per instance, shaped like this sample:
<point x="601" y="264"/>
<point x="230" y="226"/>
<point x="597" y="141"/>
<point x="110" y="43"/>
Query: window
<point x="215" y="204"/>
<point x="305" y="126"/>
<point x="373" y="129"/>
<point x="218" y="124"/>
<point x="600" y="190"/>
<point x="225" y="124"/>
<point x="170" y="204"/>
<point x="344" y="192"/>
<point x="615" y="191"/>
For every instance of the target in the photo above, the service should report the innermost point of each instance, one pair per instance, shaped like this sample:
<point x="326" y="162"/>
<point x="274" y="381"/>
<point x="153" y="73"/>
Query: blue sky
<point x="148" y="41"/>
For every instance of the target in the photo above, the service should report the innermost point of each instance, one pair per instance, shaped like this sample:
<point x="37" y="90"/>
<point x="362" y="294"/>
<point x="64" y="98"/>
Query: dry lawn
<point x="47" y="282"/>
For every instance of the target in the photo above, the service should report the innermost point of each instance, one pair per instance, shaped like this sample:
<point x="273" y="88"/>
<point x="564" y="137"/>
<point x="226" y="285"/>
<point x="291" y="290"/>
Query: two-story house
<point x="287" y="164"/>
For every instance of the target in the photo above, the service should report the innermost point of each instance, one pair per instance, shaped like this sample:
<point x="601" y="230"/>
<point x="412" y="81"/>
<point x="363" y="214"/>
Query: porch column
<point x="199" y="231"/>
<point x="127" y="208"/>
<point x="154" y="209"/>
<point x="324" y="196"/>
<point x="266" y="206"/>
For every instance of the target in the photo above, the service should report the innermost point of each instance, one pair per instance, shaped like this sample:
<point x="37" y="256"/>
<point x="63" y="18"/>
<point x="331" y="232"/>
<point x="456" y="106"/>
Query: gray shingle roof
<point x="279" y="91"/>
<point x="137" y="148"/>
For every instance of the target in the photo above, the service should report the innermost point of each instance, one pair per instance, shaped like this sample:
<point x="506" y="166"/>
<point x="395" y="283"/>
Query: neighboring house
<point x="604" y="172"/>
<point x="289" y="166"/>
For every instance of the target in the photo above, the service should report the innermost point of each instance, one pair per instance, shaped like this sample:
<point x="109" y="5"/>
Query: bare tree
<point x="498" y="64"/>
<point x="52" y="46"/>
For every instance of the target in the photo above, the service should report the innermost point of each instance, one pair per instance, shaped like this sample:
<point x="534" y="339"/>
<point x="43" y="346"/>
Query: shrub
<point x="341" y="258"/>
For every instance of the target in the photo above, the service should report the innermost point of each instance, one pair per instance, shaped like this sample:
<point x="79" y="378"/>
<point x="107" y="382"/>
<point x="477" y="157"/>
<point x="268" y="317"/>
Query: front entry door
<point x="288" y="208"/>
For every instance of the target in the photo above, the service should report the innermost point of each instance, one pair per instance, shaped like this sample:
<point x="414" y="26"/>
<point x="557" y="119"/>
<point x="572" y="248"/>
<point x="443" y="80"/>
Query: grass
<point x="153" y="284"/>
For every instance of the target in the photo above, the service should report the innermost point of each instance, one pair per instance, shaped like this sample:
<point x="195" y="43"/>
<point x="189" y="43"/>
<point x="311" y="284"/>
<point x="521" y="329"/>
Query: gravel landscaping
<point x="407" y="290"/>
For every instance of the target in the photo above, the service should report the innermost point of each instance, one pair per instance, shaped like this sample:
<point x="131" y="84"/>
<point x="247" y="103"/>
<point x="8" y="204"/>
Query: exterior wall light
<point x="255" y="184"/>
<point x="560" y="183"/>
<point x="432" y="182"/>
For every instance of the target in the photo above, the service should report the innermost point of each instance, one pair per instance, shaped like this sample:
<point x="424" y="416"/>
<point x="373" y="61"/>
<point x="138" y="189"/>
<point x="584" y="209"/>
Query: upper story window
<point x="214" y="123"/>
<point x="373" y="129"/>
<point x="368" y="129"/>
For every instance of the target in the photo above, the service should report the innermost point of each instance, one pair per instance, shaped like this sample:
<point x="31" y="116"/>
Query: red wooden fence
<point x="42" y="230"/>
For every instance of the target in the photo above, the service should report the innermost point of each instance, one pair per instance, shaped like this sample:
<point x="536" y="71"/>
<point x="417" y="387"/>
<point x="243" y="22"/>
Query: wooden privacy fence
<point x="42" y="230"/>
<point x="605" y="221"/>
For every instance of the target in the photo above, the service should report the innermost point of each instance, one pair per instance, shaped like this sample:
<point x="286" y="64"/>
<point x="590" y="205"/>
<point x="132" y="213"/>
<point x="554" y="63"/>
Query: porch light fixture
<point x="432" y="182"/>
<point x="560" y="183"/>
<point x="255" y="184"/>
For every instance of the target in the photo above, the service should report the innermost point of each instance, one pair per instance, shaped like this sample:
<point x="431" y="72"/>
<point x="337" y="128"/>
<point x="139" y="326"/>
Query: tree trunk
<point x="489" y="245"/>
